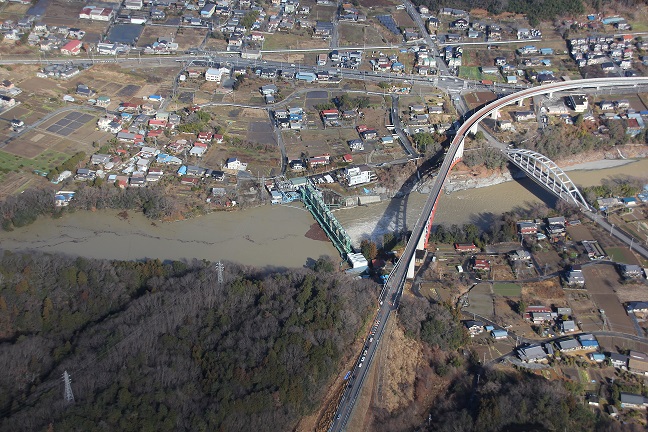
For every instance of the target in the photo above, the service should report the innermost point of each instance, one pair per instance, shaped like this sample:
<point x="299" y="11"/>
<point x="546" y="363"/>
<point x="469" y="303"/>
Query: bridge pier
<point x="473" y="128"/>
<point x="495" y="114"/>
<point x="520" y="102"/>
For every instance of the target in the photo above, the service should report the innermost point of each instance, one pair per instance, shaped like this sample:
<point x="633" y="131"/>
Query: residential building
<point x="532" y="353"/>
<point x="465" y="247"/>
<point x="619" y="360"/>
<point x="527" y="227"/>
<point x="499" y="334"/>
<point x="357" y="175"/>
<point x="474" y="327"/>
<point x="575" y="277"/>
<point x="578" y="102"/>
<point x="569" y="326"/>
<point x="519" y="255"/>
<point x="567" y="345"/>
<point x="633" y="401"/>
<point x="637" y="306"/>
<point x="481" y="264"/>
<point x="235" y="164"/>
<point x="630" y="271"/>
<point x="216" y="74"/>
<point x="72" y="48"/>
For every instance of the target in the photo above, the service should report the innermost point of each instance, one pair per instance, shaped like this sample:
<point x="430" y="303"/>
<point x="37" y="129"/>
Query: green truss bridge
<point x="313" y="201"/>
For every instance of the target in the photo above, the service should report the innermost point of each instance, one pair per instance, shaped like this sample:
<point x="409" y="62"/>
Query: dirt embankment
<point x="404" y="384"/>
<point x="464" y="177"/>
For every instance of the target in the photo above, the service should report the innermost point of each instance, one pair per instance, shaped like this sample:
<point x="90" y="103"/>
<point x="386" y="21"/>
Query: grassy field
<point x="507" y="289"/>
<point x="44" y="161"/>
<point x="621" y="255"/>
<point x="469" y="72"/>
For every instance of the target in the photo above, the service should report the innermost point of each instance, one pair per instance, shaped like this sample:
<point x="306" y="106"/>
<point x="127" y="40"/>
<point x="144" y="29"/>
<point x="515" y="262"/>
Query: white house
<point x="216" y="75"/>
<point x="235" y="164"/>
<point x="357" y="175"/>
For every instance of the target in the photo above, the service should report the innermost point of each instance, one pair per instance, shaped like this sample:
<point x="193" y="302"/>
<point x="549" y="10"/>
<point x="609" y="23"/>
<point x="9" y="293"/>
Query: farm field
<point x="622" y="254"/>
<point x="601" y="281"/>
<point x="507" y="289"/>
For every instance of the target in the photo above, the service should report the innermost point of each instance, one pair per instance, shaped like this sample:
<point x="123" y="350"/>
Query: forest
<point x="515" y="401"/>
<point x="154" y="346"/>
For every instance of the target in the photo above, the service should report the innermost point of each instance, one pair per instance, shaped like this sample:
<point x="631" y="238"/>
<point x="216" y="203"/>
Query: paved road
<point x="616" y="232"/>
<point x="398" y="128"/>
<point x="416" y="17"/>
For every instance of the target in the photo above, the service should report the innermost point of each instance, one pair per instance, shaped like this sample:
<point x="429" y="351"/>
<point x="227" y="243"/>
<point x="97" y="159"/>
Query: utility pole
<point x="69" y="396"/>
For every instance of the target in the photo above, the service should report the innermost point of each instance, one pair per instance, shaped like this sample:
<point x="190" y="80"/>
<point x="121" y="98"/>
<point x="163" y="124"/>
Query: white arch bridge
<point x="547" y="174"/>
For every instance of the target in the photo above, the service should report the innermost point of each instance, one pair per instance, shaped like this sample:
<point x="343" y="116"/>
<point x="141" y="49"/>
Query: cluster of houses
<point x="461" y="26"/>
<point x="606" y="51"/>
<point x="476" y="328"/>
<point x="425" y="62"/>
<point x="420" y="114"/>
<point x="289" y="118"/>
<point x="453" y="56"/>
<point x="555" y="228"/>
<point x="138" y="170"/>
<point x="346" y="59"/>
<point x="386" y="63"/>
<point x="334" y="117"/>
<point x="560" y="319"/>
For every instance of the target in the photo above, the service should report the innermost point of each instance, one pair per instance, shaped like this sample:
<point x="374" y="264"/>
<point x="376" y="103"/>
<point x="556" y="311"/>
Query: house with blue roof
<point x="499" y="334"/>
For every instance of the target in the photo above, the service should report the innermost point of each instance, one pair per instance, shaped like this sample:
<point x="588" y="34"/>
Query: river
<point x="476" y="206"/>
<point x="268" y="236"/>
<point x="272" y="236"/>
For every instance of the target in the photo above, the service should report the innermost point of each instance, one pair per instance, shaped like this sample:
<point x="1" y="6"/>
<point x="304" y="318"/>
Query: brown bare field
<point x="403" y="19"/>
<point x="615" y="344"/>
<point x="376" y="3"/>
<point x="601" y="282"/>
<point x="579" y="233"/>
<point x="501" y="271"/>
<point x="26" y="147"/>
<point x="153" y="33"/>
<point x="584" y="309"/>
<point x="16" y="181"/>
<point x="216" y="44"/>
<point x="547" y="292"/>
<point x="631" y="292"/>
<point x="548" y="260"/>
<point x="188" y="37"/>
<point x="477" y="99"/>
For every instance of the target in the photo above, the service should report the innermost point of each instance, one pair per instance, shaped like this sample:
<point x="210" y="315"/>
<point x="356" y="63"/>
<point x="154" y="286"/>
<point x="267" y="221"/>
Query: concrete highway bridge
<point x="404" y="268"/>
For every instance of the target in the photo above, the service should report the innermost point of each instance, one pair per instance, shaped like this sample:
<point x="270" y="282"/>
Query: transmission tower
<point x="220" y="267"/>
<point x="69" y="396"/>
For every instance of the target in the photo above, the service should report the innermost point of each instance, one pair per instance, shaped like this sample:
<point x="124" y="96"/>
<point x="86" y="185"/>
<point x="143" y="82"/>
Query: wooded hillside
<point x="156" y="347"/>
